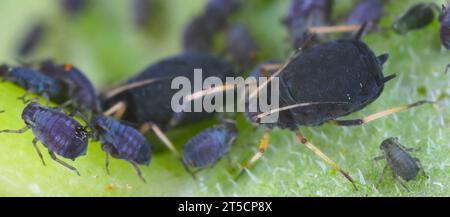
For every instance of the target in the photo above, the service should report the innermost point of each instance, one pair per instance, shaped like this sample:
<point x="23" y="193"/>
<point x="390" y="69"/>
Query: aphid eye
<point x="80" y="132"/>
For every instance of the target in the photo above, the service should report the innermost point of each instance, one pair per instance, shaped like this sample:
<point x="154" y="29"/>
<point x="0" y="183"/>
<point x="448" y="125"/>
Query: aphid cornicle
<point x="58" y="132"/>
<point x="303" y="14"/>
<point x="31" y="39"/>
<point x="208" y="146"/>
<point x="444" y="19"/>
<point x="123" y="142"/>
<point x="325" y="82"/>
<point x="417" y="17"/>
<point x="77" y="87"/>
<point x="404" y="167"/>
<point x="31" y="80"/>
<point x="369" y="11"/>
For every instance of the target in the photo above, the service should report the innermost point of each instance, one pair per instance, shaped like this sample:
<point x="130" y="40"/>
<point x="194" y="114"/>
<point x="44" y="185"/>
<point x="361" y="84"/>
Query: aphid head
<point x="389" y="143"/>
<point x="4" y="69"/>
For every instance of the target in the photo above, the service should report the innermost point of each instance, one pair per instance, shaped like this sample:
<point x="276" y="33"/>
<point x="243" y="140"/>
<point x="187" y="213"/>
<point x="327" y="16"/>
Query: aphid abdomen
<point x="34" y="81"/>
<point x="208" y="147"/>
<point x="402" y="164"/>
<point x="345" y="71"/>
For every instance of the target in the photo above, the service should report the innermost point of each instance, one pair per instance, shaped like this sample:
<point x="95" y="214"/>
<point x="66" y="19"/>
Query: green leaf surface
<point x="108" y="48"/>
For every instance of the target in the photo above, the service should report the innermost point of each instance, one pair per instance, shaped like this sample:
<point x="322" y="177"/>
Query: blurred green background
<point x="104" y="43"/>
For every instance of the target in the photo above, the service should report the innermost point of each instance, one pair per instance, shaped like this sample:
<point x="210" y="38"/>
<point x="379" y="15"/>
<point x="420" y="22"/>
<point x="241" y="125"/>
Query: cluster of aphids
<point x="318" y="85"/>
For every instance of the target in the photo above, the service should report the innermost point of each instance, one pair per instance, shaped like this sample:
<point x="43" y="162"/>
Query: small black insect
<point x="77" y="87"/>
<point x="73" y="7"/>
<point x="58" y="132"/>
<point x="241" y="45"/>
<point x="369" y="11"/>
<point x="417" y="17"/>
<point x="303" y="14"/>
<point x="153" y="102"/>
<point x="122" y="141"/>
<point x="31" y="39"/>
<point x="207" y="147"/>
<point x="403" y="166"/>
<point x="444" y="19"/>
<point x="31" y="80"/>
<point x="314" y="90"/>
<point x="199" y="34"/>
<point x="142" y="10"/>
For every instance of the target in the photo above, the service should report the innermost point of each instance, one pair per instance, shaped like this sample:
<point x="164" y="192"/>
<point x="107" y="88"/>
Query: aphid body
<point x="369" y="11"/>
<point x="302" y="15"/>
<point x="58" y="132"/>
<point x="444" y="19"/>
<point x="207" y="147"/>
<point x="77" y="87"/>
<point x="122" y="141"/>
<point x="417" y="17"/>
<point x="153" y="102"/>
<point x="31" y="39"/>
<point x="404" y="167"/>
<point x="241" y="45"/>
<point x="31" y="80"/>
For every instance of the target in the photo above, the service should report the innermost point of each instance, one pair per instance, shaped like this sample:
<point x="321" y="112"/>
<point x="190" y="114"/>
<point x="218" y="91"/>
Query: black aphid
<point x="142" y="10"/>
<point x="58" y="132"/>
<point x="123" y="142"/>
<point x="325" y="82"/>
<point x="416" y="17"/>
<point x="77" y="87"/>
<point x="153" y="102"/>
<point x="303" y="14"/>
<point x="31" y="39"/>
<point x="240" y="44"/>
<point x="199" y="33"/>
<point x="369" y="11"/>
<point x="444" y="19"/>
<point x="207" y="147"/>
<point x="73" y="7"/>
<point x="404" y="167"/>
<point x="31" y="80"/>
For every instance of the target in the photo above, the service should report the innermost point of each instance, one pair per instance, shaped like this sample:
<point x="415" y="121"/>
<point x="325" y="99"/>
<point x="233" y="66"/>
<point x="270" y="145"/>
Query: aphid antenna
<point x="295" y="106"/>
<point x="123" y="88"/>
<point x="333" y="29"/>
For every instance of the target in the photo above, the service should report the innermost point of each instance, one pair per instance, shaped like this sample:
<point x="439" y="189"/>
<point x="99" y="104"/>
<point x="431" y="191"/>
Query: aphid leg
<point x="107" y="150"/>
<point x="409" y="149"/>
<point x="35" y="140"/>
<point x="262" y="148"/>
<point x="447" y="68"/>
<point x="151" y="126"/>
<point x="378" y="115"/>
<point x="19" y="131"/>
<point x="324" y="157"/>
<point x="23" y="97"/>
<point x="333" y="29"/>
<point x="421" y="167"/>
<point x="53" y="156"/>
<point x="380" y="178"/>
<point x="192" y="173"/>
<point x="118" y="110"/>
<point x="401" y="182"/>
<point x="138" y="171"/>
<point x="107" y="163"/>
